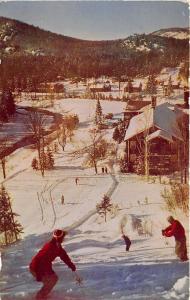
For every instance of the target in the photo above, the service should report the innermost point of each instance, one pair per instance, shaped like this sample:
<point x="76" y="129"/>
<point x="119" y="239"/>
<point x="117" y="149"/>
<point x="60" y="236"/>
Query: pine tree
<point x="3" y="111"/>
<point x="98" y="113"/>
<point x="116" y="134"/>
<point x="49" y="160"/>
<point x="34" y="164"/>
<point x="10" y="103"/>
<point x="169" y="87"/>
<point x="151" y="85"/>
<point x="56" y="148"/>
<point x="104" y="207"/>
<point x="140" y="86"/>
<point x="8" y="225"/>
<point x="129" y="87"/>
<point x="119" y="132"/>
<point x="7" y="104"/>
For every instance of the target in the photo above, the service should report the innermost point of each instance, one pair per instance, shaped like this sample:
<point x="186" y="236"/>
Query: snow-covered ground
<point x="149" y="270"/>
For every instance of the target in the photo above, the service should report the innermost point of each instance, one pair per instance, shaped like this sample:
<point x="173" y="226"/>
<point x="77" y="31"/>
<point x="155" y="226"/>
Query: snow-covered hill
<point x="149" y="270"/>
<point x="177" y="33"/>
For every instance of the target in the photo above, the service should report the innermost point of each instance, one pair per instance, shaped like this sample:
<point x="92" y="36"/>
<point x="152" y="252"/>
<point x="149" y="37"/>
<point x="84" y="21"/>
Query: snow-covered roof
<point x="160" y="133"/>
<point x="161" y="117"/>
<point x="136" y="105"/>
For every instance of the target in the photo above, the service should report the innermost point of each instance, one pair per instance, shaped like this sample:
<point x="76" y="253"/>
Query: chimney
<point x="186" y="98"/>
<point x="153" y="102"/>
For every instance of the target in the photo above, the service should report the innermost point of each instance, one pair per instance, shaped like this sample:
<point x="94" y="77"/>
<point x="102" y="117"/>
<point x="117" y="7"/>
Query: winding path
<point x="94" y="211"/>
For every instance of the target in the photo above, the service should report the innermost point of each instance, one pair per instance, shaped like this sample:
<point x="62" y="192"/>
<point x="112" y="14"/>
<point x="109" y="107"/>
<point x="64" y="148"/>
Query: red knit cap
<point x="58" y="233"/>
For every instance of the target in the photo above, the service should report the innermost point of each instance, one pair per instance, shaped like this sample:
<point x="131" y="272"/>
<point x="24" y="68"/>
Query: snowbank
<point x="180" y="290"/>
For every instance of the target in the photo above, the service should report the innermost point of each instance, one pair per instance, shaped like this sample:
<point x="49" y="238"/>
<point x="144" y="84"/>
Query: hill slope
<point x="74" y="57"/>
<point x="177" y="33"/>
<point x="148" y="271"/>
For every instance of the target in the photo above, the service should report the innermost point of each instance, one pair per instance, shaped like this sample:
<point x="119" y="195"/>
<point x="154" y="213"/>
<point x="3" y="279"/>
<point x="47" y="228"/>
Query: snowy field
<point x="150" y="270"/>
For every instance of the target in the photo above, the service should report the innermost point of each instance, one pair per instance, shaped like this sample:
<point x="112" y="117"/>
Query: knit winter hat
<point x="58" y="233"/>
<point x="170" y="219"/>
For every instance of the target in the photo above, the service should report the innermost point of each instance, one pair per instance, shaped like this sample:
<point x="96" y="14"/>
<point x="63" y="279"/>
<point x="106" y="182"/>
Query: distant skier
<point x="76" y="180"/>
<point x="41" y="264"/>
<point x="62" y="199"/>
<point x="177" y="230"/>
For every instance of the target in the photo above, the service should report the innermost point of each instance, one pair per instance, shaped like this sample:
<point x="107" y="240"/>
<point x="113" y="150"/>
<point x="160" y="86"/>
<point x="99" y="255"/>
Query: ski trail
<point x="94" y="211"/>
<point x="13" y="175"/>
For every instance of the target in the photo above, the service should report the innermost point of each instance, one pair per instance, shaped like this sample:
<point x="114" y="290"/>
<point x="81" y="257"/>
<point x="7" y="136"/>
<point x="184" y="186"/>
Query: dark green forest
<point x="42" y="56"/>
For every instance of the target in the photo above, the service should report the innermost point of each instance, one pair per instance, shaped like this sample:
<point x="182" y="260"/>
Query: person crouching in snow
<point x="41" y="264"/>
<point x="176" y="229"/>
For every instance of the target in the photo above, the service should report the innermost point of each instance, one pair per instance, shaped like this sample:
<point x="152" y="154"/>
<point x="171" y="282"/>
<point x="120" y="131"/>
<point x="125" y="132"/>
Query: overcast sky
<point x="97" y="20"/>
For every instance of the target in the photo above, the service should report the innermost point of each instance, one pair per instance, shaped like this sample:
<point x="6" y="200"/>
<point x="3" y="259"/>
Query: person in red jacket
<point x="176" y="229"/>
<point x="41" y="264"/>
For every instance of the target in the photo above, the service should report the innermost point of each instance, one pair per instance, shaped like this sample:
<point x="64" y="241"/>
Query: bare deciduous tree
<point x="142" y="144"/>
<point x="62" y="135"/>
<point x="3" y="147"/>
<point x="70" y="122"/>
<point x="95" y="151"/>
<point x="36" y="122"/>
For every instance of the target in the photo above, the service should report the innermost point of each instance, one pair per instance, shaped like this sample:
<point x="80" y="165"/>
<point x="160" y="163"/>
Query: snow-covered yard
<point x="149" y="270"/>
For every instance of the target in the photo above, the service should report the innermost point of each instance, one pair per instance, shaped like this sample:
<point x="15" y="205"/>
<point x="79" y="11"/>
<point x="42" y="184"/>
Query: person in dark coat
<point x="177" y="230"/>
<point x="127" y="241"/>
<point x="62" y="199"/>
<point x="41" y="264"/>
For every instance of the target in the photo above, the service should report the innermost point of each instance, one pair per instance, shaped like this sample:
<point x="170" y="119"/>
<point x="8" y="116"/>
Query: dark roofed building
<point x="134" y="108"/>
<point x="159" y="127"/>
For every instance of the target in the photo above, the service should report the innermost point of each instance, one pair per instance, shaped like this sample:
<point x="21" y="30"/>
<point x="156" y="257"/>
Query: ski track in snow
<point x="149" y="270"/>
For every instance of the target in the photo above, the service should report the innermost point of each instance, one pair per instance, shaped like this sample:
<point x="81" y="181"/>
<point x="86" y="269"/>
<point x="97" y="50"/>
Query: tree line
<point x="112" y="59"/>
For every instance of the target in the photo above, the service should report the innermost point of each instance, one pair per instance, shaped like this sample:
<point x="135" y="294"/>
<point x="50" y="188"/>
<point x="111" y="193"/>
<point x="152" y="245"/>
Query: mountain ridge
<point x="23" y="44"/>
<point x="16" y="23"/>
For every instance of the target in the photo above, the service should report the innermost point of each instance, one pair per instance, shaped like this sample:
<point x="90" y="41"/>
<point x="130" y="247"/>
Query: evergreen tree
<point x="10" y="102"/>
<point x="129" y="87"/>
<point x="56" y="148"/>
<point x="3" y="111"/>
<point x="151" y="85"/>
<point x="119" y="132"/>
<point x="104" y="207"/>
<point x="8" y="225"/>
<point x="34" y="164"/>
<point x="7" y="105"/>
<point x="140" y="86"/>
<point x="116" y="134"/>
<point x="98" y="113"/>
<point x="49" y="160"/>
<point x="169" y="87"/>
